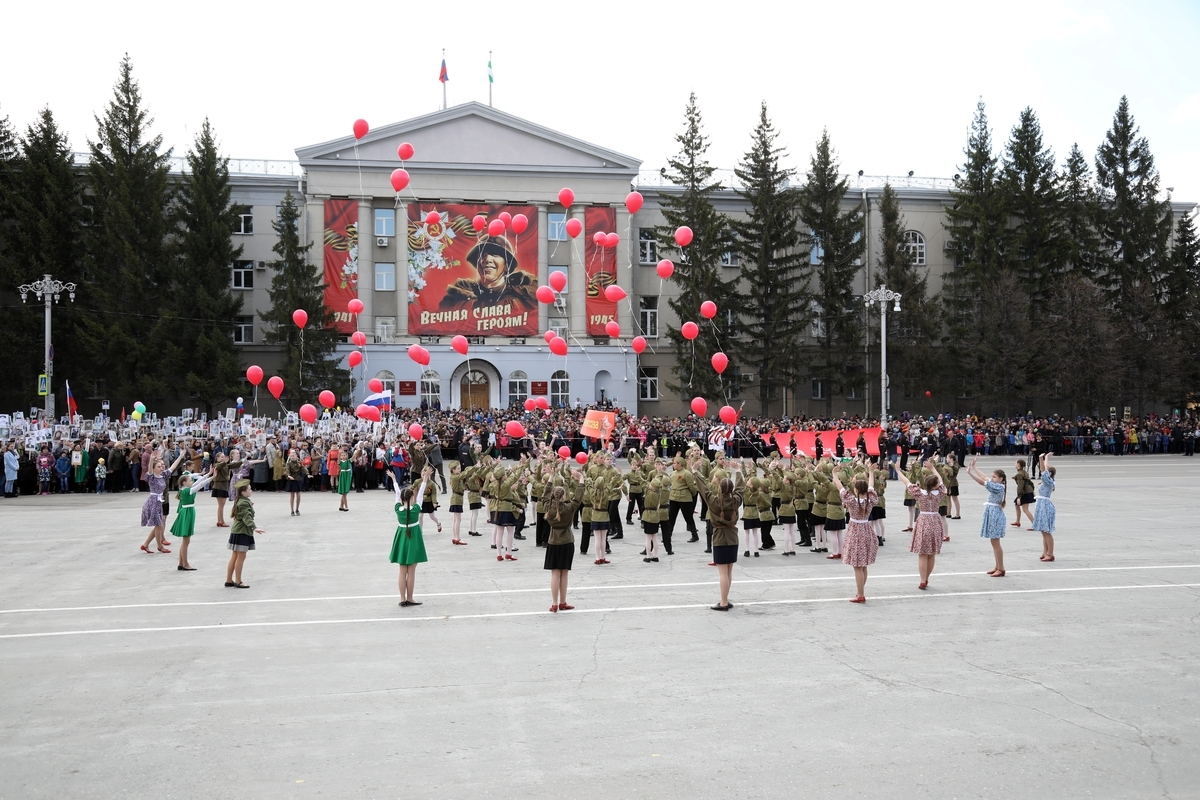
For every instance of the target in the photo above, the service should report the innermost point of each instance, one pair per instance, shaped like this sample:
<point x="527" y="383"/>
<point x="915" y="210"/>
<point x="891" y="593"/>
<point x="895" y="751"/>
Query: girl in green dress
<point x="345" y="477"/>
<point x="185" y="519"/>
<point x="408" y="546"/>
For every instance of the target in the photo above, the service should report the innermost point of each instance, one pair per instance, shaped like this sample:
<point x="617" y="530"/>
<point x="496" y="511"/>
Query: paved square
<point x="126" y="678"/>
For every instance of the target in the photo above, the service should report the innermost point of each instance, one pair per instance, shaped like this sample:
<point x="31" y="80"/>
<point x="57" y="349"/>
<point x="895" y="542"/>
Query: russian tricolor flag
<point x="381" y="400"/>
<point x="72" y="407"/>
<point x="443" y="76"/>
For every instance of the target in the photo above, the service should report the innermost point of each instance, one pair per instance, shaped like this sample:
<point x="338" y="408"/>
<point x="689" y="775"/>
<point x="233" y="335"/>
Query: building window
<point x="648" y="316"/>
<point x="818" y="390"/>
<point x="388" y="379"/>
<point x="385" y="277"/>
<point x="385" y="329"/>
<point x="245" y="223"/>
<point x="560" y="389"/>
<point x="243" y="330"/>
<point x="647" y="246"/>
<point x="854" y="392"/>
<point x="385" y="222"/>
<point x="556" y="227"/>
<point x="730" y="259"/>
<point x="243" y="274"/>
<point x="816" y="253"/>
<point x="518" y="388"/>
<point x="647" y="383"/>
<point x="915" y="243"/>
<point x="431" y="388"/>
<point x="816" y="328"/>
<point x="560" y="325"/>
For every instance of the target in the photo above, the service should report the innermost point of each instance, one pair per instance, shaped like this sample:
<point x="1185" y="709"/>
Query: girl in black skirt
<point x="723" y="501"/>
<point x="560" y="548"/>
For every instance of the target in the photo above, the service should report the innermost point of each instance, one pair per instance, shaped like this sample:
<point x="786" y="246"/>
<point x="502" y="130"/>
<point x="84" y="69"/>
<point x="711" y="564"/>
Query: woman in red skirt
<point x="927" y="536"/>
<point x="859" y="544"/>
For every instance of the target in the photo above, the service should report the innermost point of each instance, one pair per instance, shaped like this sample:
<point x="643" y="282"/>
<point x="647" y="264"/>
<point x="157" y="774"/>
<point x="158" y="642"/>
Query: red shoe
<point x="945" y="538"/>
<point x="1029" y="529"/>
<point x="553" y="609"/>
<point x="499" y="558"/>
<point x="712" y="563"/>
<point x="598" y="561"/>
<point x="839" y="555"/>
<point x="858" y="599"/>
<point x="163" y="550"/>
<point x="146" y="549"/>
<point x="605" y="561"/>
<point x="1015" y="524"/>
<point x="1050" y="558"/>
<point x="457" y="541"/>
<point x="509" y="558"/>
<point x="923" y="584"/>
<point x="905" y="530"/>
<point x="998" y="574"/>
<point x="565" y="607"/>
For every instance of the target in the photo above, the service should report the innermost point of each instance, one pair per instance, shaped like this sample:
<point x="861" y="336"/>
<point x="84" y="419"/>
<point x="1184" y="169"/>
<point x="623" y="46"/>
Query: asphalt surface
<point x="123" y="677"/>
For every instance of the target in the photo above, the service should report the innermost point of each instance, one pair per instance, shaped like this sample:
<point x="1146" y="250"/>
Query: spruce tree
<point x="45" y="237"/>
<point x="698" y="269"/>
<point x="20" y="325"/>
<point x="913" y="362"/>
<point x="309" y="362"/>
<point x="1077" y="340"/>
<point x="774" y="268"/>
<point x="129" y="268"/>
<point x="1036" y="243"/>
<point x="836" y="236"/>
<point x="201" y="352"/>
<point x="1181" y="307"/>
<point x="1079" y="214"/>
<point x="976" y="229"/>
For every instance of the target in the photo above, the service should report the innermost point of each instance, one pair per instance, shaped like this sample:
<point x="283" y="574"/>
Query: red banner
<point x="828" y="443"/>
<point x="784" y="442"/>
<point x="463" y="281"/>
<point x="598" y="425"/>
<point x="872" y="437"/>
<point x="341" y="260"/>
<point x="601" y="268"/>
<point x="806" y="443"/>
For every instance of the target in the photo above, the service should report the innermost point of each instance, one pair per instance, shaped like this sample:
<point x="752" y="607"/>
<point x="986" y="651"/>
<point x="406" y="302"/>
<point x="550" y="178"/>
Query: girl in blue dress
<point x="408" y="546"/>
<point x="994" y="520"/>
<point x="1043" y="519"/>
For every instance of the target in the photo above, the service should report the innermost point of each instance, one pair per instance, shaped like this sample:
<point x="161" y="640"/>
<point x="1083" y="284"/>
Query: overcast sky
<point x="895" y="83"/>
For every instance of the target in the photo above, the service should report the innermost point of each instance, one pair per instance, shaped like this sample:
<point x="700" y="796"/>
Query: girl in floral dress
<point x="859" y="543"/>
<point x="927" y="534"/>
<point x="45" y="470"/>
<point x="152" y="509"/>
<point x="1043" y="518"/>
<point x="994" y="521"/>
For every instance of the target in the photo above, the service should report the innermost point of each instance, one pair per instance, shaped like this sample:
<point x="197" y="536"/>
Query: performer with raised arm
<point x="859" y="544"/>
<point x="993" y="512"/>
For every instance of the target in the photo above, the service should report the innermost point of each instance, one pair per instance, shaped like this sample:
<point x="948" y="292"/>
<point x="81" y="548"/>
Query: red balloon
<point x="581" y="458"/>
<point x="542" y="402"/>
<point x="639" y="344"/>
<point x="300" y="317"/>
<point x="566" y="197"/>
<point x="254" y="375"/>
<point x="519" y="223"/>
<point x="633" y="202"/>
<point x="496" y="227"/>
<point x="275" y="385"/>
<point x="308" y="413"/>
<point x="362" y="411"/>
<point x="574" y="228"/>
<point x="355" y="359"/>
<point x="690" y="330"/>
<point x="545" y="295"/>
<point x="416" y="431"/>
<point x="549" y="335"/>
<point x="355" y="306"/>
<point x="478" y="222"/>
<point x="558" y="280"/>
<point x="515" y="429"/>
<point x="564" y="452"/>
<point x="598" y="238"/>
<point x="708" y="309"/>
<point x="506" y="217"/>
<point x="929" y="394"/>
<point x="460" y="344"/>
<point x="614" y="293"/>
<point x="729" y="415"/>
<point x="683" y="236"/>
<point x="375" y="414"/>
<point x="530" y="404"/>
<point x="699" y="406"/>
<point x="665" y="268"/>
<point x="433" y="218"/>
<point x="327" y="398"/>
<point x="720" y="361"/>
<point x="611" y="240"/>
<point x="359" y="338"/>
<point x="399" y="179"/>
<point x="360" y="128"/>
<point x="613" y="329"/>
<point x="558" y="346"/>
<point x="405" y="151"/>
<point x="375" y="385"/>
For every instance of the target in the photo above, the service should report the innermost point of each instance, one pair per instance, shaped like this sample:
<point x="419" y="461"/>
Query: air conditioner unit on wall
<point x="260" y="265"/>
<point x="381" y="241"/>
<point x="747" y="377"/>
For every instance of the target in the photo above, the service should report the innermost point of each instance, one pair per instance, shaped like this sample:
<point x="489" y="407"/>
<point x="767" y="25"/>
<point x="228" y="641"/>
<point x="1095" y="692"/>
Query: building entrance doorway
<point x="475" y="391"/>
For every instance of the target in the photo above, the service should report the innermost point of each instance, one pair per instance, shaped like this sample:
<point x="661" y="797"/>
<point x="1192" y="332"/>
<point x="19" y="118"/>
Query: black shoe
<point x="618" y="536"/>
<point x="772" y="547"/>
<point x="518" y="536"/>
<point x="473" y="533"/>
<point x="880" y="538"/>
<point x="756" y="555"/>
<point x="655" y="560"/>
<point x="607" y="551"/>
<point x="493" y="547"/>
<point x="747" y="555"/>
<point x="646" y="560"/>
<point x="670" y="552"/>
<point x="694" y="539"/>
<point x="722" y="608"/>
<point x="709" y="550"/>
<point x="642" y="553"/>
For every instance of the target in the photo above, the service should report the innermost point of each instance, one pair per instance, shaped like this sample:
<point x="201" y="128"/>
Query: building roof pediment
<point x="470" y="136"/>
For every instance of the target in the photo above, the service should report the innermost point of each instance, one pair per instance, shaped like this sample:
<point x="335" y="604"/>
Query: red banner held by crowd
<point x="598" y="424"/>
<point x="784" y="442"/>
<point x="806" y="443"/>
<point x="341" y="260"/>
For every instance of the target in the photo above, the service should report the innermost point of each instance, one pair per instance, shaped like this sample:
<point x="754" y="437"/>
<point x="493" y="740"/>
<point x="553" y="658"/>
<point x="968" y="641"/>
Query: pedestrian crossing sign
<point x="43" y="385"/>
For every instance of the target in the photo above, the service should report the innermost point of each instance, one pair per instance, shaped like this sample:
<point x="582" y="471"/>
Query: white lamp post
<point x="883" y="296"/>
<point x="46" y="288"/>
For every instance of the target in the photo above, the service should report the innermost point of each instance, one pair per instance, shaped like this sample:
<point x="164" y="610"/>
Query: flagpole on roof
<point x="443" y="78"/>
<point x="491" y="80"/>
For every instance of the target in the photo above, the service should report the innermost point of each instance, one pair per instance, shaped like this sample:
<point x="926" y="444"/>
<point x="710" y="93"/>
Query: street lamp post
<point x="883" y="296"/>
<point x="45" y="289"/>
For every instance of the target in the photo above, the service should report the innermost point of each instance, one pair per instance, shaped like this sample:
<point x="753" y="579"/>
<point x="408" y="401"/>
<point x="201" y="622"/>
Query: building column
<point x="624" y="256"/>
<point x="543" y="272"/>
<point x="366" y="265"/>
<point x="577" y="285"/>
<point x="402" y="269"/>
